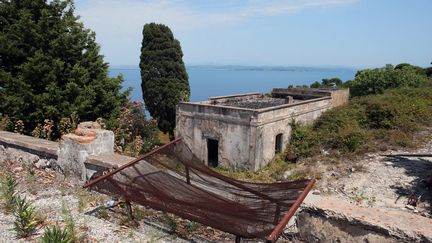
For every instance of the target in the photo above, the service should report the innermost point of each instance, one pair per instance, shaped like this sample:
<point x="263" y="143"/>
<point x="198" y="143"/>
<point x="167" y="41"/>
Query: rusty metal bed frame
<point x="142" y="181"/>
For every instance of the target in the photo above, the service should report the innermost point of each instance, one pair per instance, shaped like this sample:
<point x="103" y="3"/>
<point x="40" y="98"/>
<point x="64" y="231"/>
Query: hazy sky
<point x="358" y="33"/>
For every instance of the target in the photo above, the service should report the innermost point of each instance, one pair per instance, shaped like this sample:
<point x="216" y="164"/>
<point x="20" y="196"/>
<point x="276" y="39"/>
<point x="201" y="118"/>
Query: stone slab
<point x="396" y="224"/>
<point x="34" y="145"/>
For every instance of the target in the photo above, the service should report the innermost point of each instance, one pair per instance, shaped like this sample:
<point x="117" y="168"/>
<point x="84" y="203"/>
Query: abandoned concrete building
<point x="245" y="131"/>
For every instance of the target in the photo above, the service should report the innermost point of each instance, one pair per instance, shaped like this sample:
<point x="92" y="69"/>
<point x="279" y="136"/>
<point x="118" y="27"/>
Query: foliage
<point x="163" y="73"/>
<point x="328" y="83"/>
<point x="417" y="69"/>
<point x="25" y="220"/>
<point x="50" y="66"/>
<point x="8" y="186"/>
<point x="56" y="234"/>
<point x="367" y="123"/>
<point x="5" y="123"/>
<point x="134" y="133"/>
<point x="192" y="226"/>
<point x="428" y="72"/>
<point x="376" y="81"/>
<point x="169" y="221"/>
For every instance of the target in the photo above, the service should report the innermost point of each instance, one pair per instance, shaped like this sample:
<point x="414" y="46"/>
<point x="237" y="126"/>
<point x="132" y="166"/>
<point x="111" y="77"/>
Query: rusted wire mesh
<point x="173" y="180"/>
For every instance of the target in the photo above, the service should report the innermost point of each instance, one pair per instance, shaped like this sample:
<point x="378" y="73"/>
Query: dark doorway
<point x="278" y="143"/>
<point x="212" y="150"/>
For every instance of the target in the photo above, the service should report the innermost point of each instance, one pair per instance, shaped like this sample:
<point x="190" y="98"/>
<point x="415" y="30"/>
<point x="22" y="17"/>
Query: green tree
<point x="417" y="69"/>
<point x="163" y="73"/>
<point x="328" y="83"/>
<point x="50" y="65"/>
<point x="376" y="81"/>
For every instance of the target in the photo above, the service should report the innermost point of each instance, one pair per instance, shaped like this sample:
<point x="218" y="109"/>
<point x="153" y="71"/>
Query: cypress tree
<point x="163" y="74"/>
<point x="50" y="65"/>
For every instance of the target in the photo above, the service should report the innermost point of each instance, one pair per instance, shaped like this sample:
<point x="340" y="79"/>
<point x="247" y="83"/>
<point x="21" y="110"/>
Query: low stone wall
<point x="79" y="155"/>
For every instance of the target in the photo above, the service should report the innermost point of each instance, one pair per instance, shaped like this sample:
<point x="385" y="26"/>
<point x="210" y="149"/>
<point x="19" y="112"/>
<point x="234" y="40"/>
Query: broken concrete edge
<point x="339" y="218"/>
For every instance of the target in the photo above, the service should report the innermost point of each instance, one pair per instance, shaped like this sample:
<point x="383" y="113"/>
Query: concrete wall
<point x="230" y="126"/>
<point x="246" y="136"/>
<point x="276" y="120"/>
<point x="339" y="97"/>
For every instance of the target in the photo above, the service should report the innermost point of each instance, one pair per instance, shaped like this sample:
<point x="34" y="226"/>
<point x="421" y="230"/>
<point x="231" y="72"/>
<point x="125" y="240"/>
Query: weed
<point x="25" y="220"/>
<point x="192" y="226"/>
<point x="169" y="222"/>
<point x="8" y="192"/>
<point x="85" y="198"/>
<point x="138" y="213"/>
<point x="359" y="197"/>
<point x="270" y="173"/>
<point x="69" y="220"/>
<point x="56" y="234"/>
<point x="31" y="178"/>
<point x="103" y="212"/>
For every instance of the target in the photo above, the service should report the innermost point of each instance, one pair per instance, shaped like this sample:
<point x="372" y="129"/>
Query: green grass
<point x="270" y="173"/>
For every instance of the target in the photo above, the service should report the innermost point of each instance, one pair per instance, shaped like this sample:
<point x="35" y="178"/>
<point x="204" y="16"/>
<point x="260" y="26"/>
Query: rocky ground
<point x="393" y="180"/>
<point x="59" y="201"/>
<point x="396" y="180"/>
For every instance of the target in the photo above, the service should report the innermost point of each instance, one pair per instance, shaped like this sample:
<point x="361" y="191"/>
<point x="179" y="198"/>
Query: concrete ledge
<point x="108" y="161"/>
<point x="29" y="144"/>
<point x="329" y="219"/>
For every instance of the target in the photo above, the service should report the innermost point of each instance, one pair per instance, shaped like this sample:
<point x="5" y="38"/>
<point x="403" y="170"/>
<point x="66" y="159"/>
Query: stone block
<point x="75" y="148"/>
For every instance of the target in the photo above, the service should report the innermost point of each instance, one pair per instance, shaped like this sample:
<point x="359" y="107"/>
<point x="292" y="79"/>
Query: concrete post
<point x="88" y="139"/>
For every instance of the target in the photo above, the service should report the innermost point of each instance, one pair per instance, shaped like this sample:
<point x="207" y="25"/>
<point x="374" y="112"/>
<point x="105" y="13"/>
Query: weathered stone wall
<point x="339" y="97"/>
<point x="276" y="120"/>
<point x="246" y="136"/>
<point x="231" y="127"/>
<point x="79" y="155"/>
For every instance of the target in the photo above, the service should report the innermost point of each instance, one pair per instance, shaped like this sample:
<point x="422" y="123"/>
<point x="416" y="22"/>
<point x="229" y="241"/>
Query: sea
<point x="217" y="80"/>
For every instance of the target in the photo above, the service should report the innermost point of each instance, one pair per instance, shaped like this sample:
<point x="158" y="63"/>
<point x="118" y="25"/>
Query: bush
<point x="134" y="133"/>
<point x="367" y="123"/>
<point x="56" y="235"/>
<point x="5" y="123"/>
<point x="376" y="81"/>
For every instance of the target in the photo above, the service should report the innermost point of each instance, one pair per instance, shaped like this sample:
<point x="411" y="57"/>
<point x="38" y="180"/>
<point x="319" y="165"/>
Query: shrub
<point x="367" y="123"/>
<point x="376" y="81"/>
<point x="56" y="234"/>
<point x="134" y="133"/>
<point x="5" y="123"/>
<point x="25" y="220"/>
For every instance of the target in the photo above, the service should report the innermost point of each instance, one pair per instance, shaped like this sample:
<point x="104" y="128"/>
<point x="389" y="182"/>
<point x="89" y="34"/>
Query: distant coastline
<point x="247" y="68"/>
<point x="216" y="80"/>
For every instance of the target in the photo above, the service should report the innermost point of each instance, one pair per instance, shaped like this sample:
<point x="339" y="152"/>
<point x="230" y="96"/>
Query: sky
<point x="349" y="33"/>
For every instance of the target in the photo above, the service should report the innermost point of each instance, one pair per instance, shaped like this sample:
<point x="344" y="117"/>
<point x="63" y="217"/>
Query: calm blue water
<point x="206" y="81"/>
